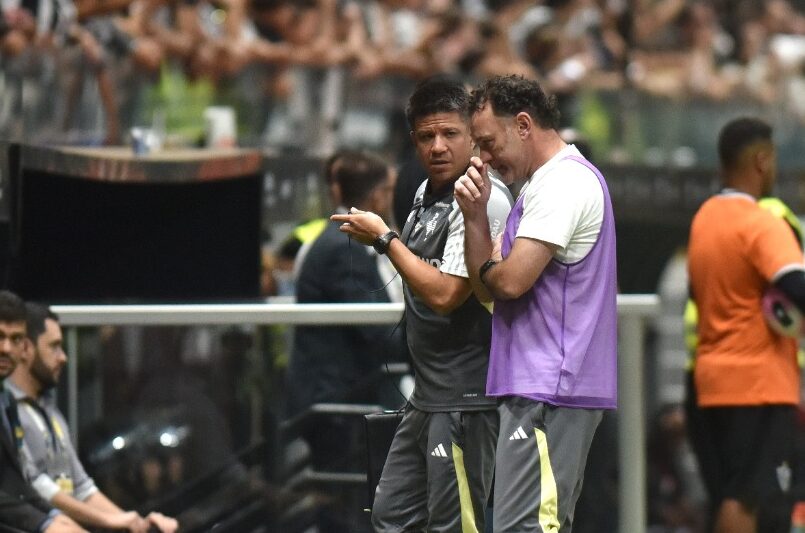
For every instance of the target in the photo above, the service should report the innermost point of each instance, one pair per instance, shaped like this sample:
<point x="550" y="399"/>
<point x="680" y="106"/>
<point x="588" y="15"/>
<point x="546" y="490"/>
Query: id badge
<point x="65" y="484"/>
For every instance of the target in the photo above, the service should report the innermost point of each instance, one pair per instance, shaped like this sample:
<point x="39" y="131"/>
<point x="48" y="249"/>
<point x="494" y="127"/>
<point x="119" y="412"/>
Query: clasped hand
<point x="472" y="190"/>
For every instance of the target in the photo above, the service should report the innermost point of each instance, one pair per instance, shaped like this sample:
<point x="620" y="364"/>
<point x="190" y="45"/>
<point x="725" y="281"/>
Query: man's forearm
<point x="88" y="513"/>
<point x="82" y="512"/>
<point x="519" y="271"/>
<point x="441" y="292"/>
<point x="477" y="250"/>
<point x="100" y="501"/>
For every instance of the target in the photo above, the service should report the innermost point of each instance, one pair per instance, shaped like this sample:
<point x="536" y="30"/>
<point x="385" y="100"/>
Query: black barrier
<point x="101" y="225"/>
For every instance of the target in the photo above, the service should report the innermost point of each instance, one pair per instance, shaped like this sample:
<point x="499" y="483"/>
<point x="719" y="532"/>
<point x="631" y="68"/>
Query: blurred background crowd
<point x="645" y="83"/>
<point x="315" y="74"/>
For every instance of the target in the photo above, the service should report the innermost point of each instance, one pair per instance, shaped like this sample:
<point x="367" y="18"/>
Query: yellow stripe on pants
<point x="549" y="496"/>
<point x="464" y="497"/>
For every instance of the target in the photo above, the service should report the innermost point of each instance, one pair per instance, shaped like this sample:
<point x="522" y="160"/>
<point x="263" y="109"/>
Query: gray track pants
<point x="541" y="454"/>
<point x="438" y="473"/>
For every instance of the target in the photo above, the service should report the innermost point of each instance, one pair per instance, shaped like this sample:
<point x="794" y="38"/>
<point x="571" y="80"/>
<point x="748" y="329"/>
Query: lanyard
<point x="419" y="208"/>
<point x="16" y="427"/>
<point x="58" y="463"/>
<point x="49" y="426"/>
<point x="9" y="406"/>
<point x="408" y="228"/>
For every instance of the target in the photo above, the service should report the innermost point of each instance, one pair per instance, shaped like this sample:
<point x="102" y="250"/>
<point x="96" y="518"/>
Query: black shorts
<point x="746" y="453"/>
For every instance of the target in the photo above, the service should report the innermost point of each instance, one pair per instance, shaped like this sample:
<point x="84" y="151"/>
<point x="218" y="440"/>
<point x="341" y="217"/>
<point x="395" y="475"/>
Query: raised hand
<point x="472" y="190"/>
<point x="364" y="226"/>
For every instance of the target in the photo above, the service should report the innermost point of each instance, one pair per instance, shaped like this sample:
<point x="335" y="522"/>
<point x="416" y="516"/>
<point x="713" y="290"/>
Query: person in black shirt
<point x="342" y="363"/>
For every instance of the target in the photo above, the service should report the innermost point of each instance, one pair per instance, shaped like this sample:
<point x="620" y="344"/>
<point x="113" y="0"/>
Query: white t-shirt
<point x="563" y="205"/>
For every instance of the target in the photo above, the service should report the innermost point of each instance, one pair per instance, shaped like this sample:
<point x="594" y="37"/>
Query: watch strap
<point x="381" y="244"/>
<point x="485" y="268"/>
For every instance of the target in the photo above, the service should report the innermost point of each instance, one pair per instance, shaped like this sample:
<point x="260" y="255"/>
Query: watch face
<point x="380" y="245"/>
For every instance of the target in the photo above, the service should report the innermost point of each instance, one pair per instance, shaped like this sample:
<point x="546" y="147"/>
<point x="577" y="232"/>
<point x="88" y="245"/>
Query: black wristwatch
<point x="381" y="244"/>
<point x="485" y="268"/>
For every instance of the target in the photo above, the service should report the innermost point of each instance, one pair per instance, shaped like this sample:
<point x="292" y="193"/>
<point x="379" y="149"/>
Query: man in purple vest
<point x="553" y="359"/>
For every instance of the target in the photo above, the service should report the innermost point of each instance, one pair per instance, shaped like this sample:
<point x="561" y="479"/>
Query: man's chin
<point x="49" y="386"/>
<point x="6" y="367"/>
<point x="46" y="380"/>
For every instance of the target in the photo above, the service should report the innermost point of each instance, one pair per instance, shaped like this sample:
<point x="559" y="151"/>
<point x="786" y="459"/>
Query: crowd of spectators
<point x="718" y="49"/>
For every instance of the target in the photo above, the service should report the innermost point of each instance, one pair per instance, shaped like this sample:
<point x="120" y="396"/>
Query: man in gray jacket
<point x="49" y="459"/>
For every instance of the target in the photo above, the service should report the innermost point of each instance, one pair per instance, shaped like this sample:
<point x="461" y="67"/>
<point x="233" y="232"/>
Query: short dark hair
<point x="12" y="308"/>
<point x="737" y="135"/>
<point x="331" y="163"/>
<point x="35" y="316"/>
<point x="358" y="175"/>
<point x="513" y="94"/>
<point x="438" y="94"/>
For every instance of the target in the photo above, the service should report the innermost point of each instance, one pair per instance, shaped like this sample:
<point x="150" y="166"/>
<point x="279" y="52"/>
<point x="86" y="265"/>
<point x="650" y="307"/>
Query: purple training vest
<point x="557" y="343"/>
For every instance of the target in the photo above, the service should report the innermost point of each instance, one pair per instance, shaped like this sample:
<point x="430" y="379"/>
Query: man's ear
<point x="763" y="159"/>
<point x="524" y="124"/>
<point x="374" y="196"/>
<point x="335" y="191"/>
<point x="372" y="200"/>
<point x="27" y="353"/>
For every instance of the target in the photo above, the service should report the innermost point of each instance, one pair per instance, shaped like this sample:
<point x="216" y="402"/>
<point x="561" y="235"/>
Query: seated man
<point x="49" y="459"/>
<point x="20" y="507"/>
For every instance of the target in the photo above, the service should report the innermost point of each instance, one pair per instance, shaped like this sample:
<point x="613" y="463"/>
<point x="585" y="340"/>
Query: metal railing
<point x="633" y="313"/>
